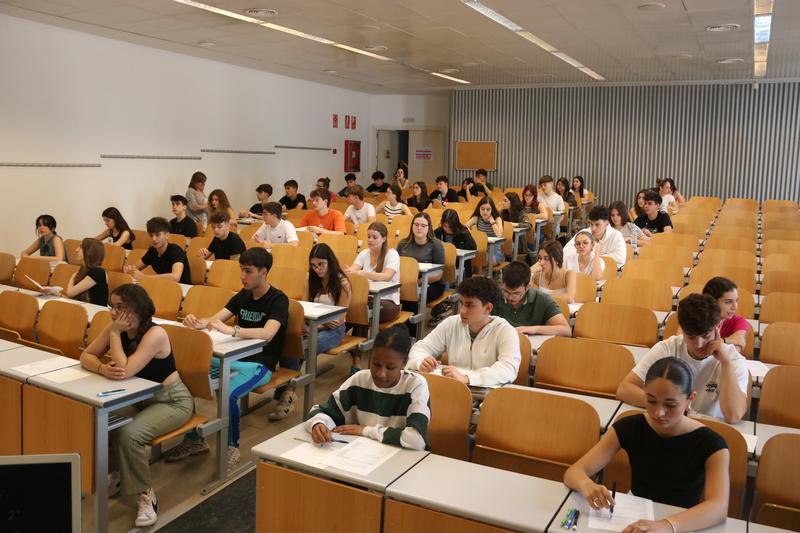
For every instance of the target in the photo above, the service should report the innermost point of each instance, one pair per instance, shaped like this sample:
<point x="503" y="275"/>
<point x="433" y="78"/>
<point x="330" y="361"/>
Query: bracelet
<point x="671" y="524"/>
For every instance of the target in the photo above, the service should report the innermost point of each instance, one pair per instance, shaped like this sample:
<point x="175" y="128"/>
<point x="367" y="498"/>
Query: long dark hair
<point x="224" y="203"/>
<point x="380" y="228"/>
<point x="423" y="193"/>
<point x="335" y="275"/>
<point x="93" y="253"/>
<point x="515" y="208"/>
<point x="140" y="304"/>
<point x="580" y="188"/>
<point x="450" y="217"/>
<point x="120" y="224"/>
<point x="567" y="188"/>
<point x="197" y="177"/>
<point x="636" y="209"/>
<point x="531" y="188"/>
<point x="485" y="200"/>
<point x="622" y="209"/>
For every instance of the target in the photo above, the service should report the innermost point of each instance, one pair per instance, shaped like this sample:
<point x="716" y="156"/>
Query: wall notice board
<point x="472" y="155"/>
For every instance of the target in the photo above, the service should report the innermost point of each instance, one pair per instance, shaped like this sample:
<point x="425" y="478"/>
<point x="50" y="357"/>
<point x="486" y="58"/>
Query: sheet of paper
<point x="67" y="374"/>
<point x="217" y="336"/>
<point x="437" y="371"/>
<point x="311" y="454"/>
<point x="757" y="368"/>
<point x="628" y="509"/>
<point x="48" y="365"/>
<point x="361" y="456"/>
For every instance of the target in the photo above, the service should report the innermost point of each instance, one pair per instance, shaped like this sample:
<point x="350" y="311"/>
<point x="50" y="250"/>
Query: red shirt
<point x="732" y="325"/>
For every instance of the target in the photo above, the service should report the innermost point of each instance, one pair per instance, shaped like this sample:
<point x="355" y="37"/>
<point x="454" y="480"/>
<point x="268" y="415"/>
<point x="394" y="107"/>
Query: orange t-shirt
<point x="333" y="221"/>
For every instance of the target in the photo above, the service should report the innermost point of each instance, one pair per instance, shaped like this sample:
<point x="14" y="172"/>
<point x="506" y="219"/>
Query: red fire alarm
<point x="353" y="122"/>
<point x="335" y="120"/>
<point x="347" y="122"/>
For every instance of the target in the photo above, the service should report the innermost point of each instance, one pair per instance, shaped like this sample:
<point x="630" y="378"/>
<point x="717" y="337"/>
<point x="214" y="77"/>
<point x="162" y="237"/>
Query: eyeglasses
<point x="118" y="307"/>
<point x="421" y="226"/>
<point x="319" y="266"/>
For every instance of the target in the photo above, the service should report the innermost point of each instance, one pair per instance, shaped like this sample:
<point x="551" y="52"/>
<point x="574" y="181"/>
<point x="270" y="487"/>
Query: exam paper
<point x="67" y="374"/>
<point x="48" y="365"/>
<point x="627" y="509"/>
<point x="311" y="454"/>
<point x="361" y="456"/>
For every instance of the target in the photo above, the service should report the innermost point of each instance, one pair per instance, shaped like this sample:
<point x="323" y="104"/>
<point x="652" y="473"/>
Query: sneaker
<point x="234" y="457"/>
<point x="285" y="406"/>
<point x="186" y="448"/>
<point x="113" y="484"/>
<point x="148" y="505"/>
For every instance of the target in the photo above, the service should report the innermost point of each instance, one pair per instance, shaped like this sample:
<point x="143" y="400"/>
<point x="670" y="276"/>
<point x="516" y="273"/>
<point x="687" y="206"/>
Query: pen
<point x="109" y="392"/>
<point x="571" y="518"/>
<point x="333" y="439"/>
<point x="613" y="495"/>
<point x="566" y="517"/>
<point x="575" y="523"/>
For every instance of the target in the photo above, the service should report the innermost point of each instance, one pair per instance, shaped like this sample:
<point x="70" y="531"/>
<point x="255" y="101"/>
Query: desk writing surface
<point x="321" y="312"/>
<point x="381" y="286"/>
<point x="378" y="479"/>
<point x="481" y="493"/>
<point x="537" y="340"/>
<point x="764" y="432"/>
<point x="227" y="347"/>
<point x="604" y="407"/>
<point x="638" y="351"/>
<point x="22" y="355"/>
<point x="467" y="254"/>
<point x="86" y="389"/>
<point x="430" y="267"/>
<point x="8" y="345"/>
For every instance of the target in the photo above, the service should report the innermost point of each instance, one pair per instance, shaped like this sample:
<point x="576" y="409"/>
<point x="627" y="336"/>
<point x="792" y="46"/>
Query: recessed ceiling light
<point x="730" y="61"/>
<point x="449" y="71"/>
<point x="262" y="12"/>
<point x="206" y="44"/>
<point x="457" y="80"/>
<point x="329" y="71"/>
<point x="375" y="47"/>
<point x="368" y="27"/>
<point x="651" y="6"/>
<point x="723" y="27"/>
<point x="683" y="55"/>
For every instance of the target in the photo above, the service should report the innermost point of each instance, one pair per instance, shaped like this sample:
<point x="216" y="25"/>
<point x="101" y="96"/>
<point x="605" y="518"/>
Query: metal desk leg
<point x="223" y="413"/>
<point x="423" y="305"/>
<point x="490" y="259"/>
<point x="100" y="469"/>
<point x="376" y="317"/>
<point x="515" y="244"/>
<point x="536" y="238"/>
<point x="311" y="368"/>
<point x="459" y="269"/>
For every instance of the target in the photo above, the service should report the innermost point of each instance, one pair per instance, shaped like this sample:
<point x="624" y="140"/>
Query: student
<point x="327" y="284"/>
<point x="653" y="220"/>
<point x="378" y="183"/>
<point x="196" y="199"/>
<point x="578" y="189"/>
<point x="584" y="257"/>
<point x="400" y="176"/>
<point x="138" y="347"/>
<point x="531" y="205"/>
<point x="181" y="224"/>
<point x="350" y="181"/>
<point x="549" y="275"/>
<point x="292" y="200"/>
<point x="263" y="192"/>
<point x="325" y="183"/>
<point x="392" y="206"/>
<point x="512" y="210"/>
<point x="116" y="229"/>
<point x="359" y="211"/>
<point x="225" y="244"/>
<point x="90" y="282"/>
<point x="612" y="243"/>
<point x="321" y="219"/>
<point x="261" y="312"/>
<point x="480" y="179"/>
<point x="456" y="233"/>
<point x="564" y="191"/>
<point x="668" y="192"/>
<point x="481" y="349"/>
<point x="734" y="327"/>
<point x="470" y="190"/>
<point x="422" y="245"/>
<point x="674" y="460"/>
<point x="529" y="310"/>
<point x="48" y="244"/>
<point x="719" y="370"/>
<point x="385" y="403"/>
<point x="487" y="219"/>
<point x="549" y="197"/>
<point x="218" y="203"/>
<point x="621" y="222"/>
<point x="168" y="260"/>
<point x="638" y="206"/>
<point x="419" y="199"/>
<point x="275" y="230"/>
<point x="443" y="193"/>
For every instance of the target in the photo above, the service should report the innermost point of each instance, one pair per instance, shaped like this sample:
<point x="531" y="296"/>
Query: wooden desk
<point x="10" y="360"/>
<point x="764" y="432"/>
<point x="42" y="299"/>
<point x="10" y="417"/>
<point x="460" y="496"/>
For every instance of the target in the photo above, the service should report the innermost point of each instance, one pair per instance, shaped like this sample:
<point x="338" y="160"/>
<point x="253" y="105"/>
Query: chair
<point x="166" y="295"/>
<point x="9" y="335"/>
<point x="70" y="245"/>
<point x="204" y="301"/>
<point x="729" y="258"/>
<point x="449" y="274"/>
<point x="196" y="244"/>
<point x="654" y="270"/>
<point x="36" y="269"/>
<point x="737" y="466"/>
<point x="677" y="239"/>
<point x="774" y="234"/>
<point x="292" y="347"/>
<point x="113" y="257"/>
<point x="609" y="268"/>
<point x="777" y="491"/>
<point x="780" y="281"/>
<point x="779" y="262"/>
<point x="7" y="265"/>
<point x="62" y="325"/>
<point x="246" y="232"/>
<point x="134" y="256"/>
<point x="585" y="288"/>
<point x="345" y="247"/>
<point x="653" y="295"/>
<point x="780" y="307"/>
<point x="451" y="411"/>
<point x="409" y="274"/>
<point x="778" y="344"/>
<point x="557" y="432"/>
<point x="778" y="206"/>
<point x="357" y="314"/>
<point x="180" y="241"/>
<point x="62" y="274"/>
<point x="142" y="240"/>
<point x="732" y="242"/>
<point x="584" y="366"/>
<point x="226" y="274"/>
<point x="780" y="220"/>
<point x="747" y="204"/>
<point x="630" y="325"/>
<point x="292" y="281"/>
<point x="743" y="277"/>
<point x="99" y="322"/>
<point x="198" y="269"/>
<point x="192" y="350"/>
<point x="306" y="239"/>
<point x="676" y="255"/>
<point x="482" y="242"/>
<point x="115" y="279"/>
<point x="523" y="372"/>
<point x="401" y="224"/>
<point x="778" y="390"/>
<point x="288" y="255"/>
<point x="18" y="313"/>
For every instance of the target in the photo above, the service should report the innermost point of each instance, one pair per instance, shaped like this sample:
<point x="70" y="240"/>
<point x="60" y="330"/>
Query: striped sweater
<point x="397" y="416"/>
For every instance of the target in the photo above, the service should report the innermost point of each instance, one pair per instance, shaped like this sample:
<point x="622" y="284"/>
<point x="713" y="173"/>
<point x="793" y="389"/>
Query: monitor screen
<point x="40" y="492"/>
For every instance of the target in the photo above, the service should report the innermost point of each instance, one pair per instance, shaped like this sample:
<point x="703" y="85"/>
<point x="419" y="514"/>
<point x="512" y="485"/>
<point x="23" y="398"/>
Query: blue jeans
<point x="499" y="257"/>
<point x="327" y="339"/>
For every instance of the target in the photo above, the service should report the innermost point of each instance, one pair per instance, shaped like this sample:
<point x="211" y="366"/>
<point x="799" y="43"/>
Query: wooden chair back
<point x="180" y="240"/>
<point x="401" y="225"/>
<point x="584" y="366"/>
<point x="409" y="274"/>
<point x="142" y="240"/>
<point x="42" y="347"/>
<point x="288" y="255"/>
<point x="18" y="313"/>
<point x="35" y="269"/>
<point x="134" y="256"/>
<point x="62" y="274"/>
<point x="729" y="258"/>
<point x="70" y="250"/>
<point x="676" y="255"/>
<point x="451" y="411"/>
<point x="482" y="242"/>
<point x="671" y="326"/>
<point x="681" y="240"/>
<point x="7" y="265"/>
<point x="745" y="204"/>
<point x="306" y="239"/>
<point x="731" y="242"/>
<point x="771" y="206"/>
<point x="654" y="270"/>
<point x="205" y="301"/>
<point x="523" y="373"/>
<point x="449" y="274"/>
<point x="710" y="202"/>
<point x="778" y="344"/>
<point x="557" y="432"/>
<point x="166" y="295"/>
<point x="115" y="279"/>
<point x="631" y="324"/>
<point x="743" y="277"/>
<point x="778" y="262"/>
<point x="192" y="350"/>
<point x="99" y="322"/>
<point x="562" y="305"/>
<point x="293" y="341"/>
<point x="62" y="325"/>
<point x="226" y="274"/>
<point x="780" y="307"/>
<point x="775" y="234"/>
<point x="778" y="390"/>
<point x="737" y="466"/>
<point x="114" y="257"/>
<point x="609" y="268"/>
<point x="780" y="281"/>
<point x="196" y="244"/>
<point x="198" y="269"/>
<point x="293" y="282"/>
<point x="779" y="221"/>
<point x="345" y="247"/>
<point x="585" y="288"/>
<point x="653" y="295"/>
<point x="246" y="232"/>
<point x="357" y="313"/>
<point x="777" y="494"/>
<point x="436" y="216"/>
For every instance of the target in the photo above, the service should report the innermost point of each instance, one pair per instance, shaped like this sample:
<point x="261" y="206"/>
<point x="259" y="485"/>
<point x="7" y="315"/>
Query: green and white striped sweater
<point x="397" y="416"/>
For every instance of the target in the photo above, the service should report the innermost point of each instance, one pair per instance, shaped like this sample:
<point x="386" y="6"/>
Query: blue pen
<point x="566" y="518"/>
<point x="109" y="392"/>
<point x="571" y="519"/>
<point x="575" y="523"/>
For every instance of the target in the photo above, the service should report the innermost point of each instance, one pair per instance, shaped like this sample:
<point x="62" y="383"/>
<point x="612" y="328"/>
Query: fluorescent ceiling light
<point x="760" y="52"/>
<point x="296" y="33"/>
<point x="219" y="11"/>
<point x="362" y="52"/>
<point x="762" y="26"/>
<point x="538" y="42"/>
<point x="451" y="78"/>
<point x="760" y="69"/>
<point x="589" y="72"/>
<point x="567" y="59"/>
<point x="488" y="12"/>
<point x="763" y="7"/>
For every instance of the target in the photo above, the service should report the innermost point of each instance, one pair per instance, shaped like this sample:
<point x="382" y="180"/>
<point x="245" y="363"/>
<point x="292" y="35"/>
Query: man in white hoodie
<point x="611" y="241"/>
<point x="481" y="349"/>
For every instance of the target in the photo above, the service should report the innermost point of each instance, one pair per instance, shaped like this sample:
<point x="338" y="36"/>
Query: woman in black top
<point x="116" y="228"/>
<point x="139" y="348"/>
<point x="90" y="282"/>
<point x="419" y="200"/>
<point x="674" y="459"/>
<point x="453" y="231"/>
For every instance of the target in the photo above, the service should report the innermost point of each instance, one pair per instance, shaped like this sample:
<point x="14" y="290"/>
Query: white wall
<point x="67" y="97"/>
<point x="410" y="112"/>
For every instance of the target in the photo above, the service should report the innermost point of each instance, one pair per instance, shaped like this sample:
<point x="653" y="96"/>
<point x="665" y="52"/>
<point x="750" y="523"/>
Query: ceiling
<point x="616" y="38"/>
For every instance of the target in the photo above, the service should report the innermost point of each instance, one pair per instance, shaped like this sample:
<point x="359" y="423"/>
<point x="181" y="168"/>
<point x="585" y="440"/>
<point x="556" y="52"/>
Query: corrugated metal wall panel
<point x="718" y="140"/>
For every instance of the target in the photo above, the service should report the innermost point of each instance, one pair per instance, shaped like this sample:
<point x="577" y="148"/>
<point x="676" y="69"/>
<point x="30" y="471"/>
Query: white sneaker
<point x="148" y="505"/>
<point x="234" y="457"/>
<point x="113" y="484"/>
<point x="286" y="406"/>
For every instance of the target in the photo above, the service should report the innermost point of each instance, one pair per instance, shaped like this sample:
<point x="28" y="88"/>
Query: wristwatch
<point x="235" y="331"/>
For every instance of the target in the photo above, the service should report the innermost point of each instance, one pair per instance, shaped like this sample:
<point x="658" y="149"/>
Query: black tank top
<point x="157" y="369"/>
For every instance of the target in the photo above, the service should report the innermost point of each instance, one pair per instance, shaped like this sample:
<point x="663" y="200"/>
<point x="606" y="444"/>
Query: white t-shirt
<point x="571" y="263"/>
<point x="283" y="233"/>
<point x="706" y="372"/>
<point x="392" y="260"/>
<point x="555" y="202"/>
<point x="359" y="216"/>
<point x="666" y="201"/>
